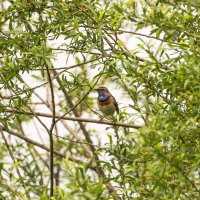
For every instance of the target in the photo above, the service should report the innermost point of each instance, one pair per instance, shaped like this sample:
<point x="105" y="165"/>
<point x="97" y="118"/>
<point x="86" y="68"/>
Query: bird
<point x="106" y="102"/>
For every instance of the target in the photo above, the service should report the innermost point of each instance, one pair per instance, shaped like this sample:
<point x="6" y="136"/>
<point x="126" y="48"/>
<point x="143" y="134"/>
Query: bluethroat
<point x="106" y="102"/>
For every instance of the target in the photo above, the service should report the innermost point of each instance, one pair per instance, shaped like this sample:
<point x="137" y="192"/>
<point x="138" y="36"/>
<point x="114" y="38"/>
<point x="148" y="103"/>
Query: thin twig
<point x="51" y="134"/>
<point x="73" y="66"/>
<point x="79" y="119"/>
<point x="75" y="141"/>
<point x="14" y="161"/>
<point x="61" y="155"/>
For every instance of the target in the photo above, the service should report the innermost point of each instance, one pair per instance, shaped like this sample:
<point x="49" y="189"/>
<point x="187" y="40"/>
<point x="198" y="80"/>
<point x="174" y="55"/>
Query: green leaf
<point x="48" y="62"/>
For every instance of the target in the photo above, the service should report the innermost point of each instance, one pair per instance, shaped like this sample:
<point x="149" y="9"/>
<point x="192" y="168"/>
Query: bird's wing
<point x="116" y="105"/>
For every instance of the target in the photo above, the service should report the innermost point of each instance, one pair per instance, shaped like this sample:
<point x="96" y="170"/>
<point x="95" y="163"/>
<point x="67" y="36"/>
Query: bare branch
<point x="72" y="66"/>
<point x="78" y="119"/>
<point x="51" y="134"/>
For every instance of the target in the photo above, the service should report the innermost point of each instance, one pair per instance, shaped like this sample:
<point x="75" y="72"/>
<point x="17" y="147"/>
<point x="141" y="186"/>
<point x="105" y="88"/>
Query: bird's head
<point x="102" y="91"/>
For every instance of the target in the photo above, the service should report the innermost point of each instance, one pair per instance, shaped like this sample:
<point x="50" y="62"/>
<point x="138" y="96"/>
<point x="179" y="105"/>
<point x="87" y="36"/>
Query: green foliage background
<point x="159" y="73"/>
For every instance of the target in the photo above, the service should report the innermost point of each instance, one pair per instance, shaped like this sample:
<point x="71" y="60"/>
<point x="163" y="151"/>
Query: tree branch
<point x="61" y="155"/>
<point x="51" y="134"/>
<point x="72" y="66"/>
<point x="78" y="119"/>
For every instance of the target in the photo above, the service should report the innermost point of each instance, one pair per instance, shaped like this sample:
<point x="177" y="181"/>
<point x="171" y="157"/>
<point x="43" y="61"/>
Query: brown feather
<point x="116" y="105"/>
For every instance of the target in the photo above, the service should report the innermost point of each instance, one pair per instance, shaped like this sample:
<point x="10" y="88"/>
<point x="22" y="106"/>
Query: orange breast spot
<point x="105" y="103"/>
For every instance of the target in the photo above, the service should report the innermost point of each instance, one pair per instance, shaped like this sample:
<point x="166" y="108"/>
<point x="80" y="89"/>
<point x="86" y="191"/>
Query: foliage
<point x="54" y="53"/>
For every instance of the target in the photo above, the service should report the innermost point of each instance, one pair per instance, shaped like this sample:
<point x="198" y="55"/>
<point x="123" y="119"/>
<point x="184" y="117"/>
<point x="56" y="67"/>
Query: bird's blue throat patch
<point x="103" y="98"/>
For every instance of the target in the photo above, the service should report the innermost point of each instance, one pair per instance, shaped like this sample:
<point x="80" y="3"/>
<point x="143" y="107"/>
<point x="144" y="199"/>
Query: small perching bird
<point x="106" y="102"/>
